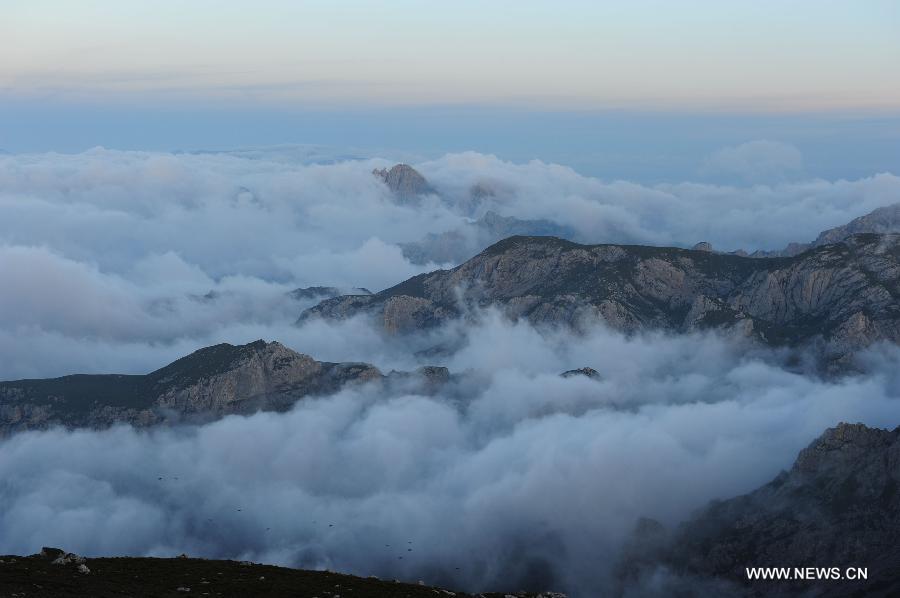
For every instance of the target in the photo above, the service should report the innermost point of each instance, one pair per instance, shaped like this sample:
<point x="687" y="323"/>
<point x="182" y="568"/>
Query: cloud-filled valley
<point x="511" y="469"/>
<point x="116" y="251"/>
<point x="509" y="476"/>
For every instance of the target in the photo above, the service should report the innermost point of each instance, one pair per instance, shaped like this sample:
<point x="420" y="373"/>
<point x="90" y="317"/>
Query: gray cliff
<point x="846" y="294"/>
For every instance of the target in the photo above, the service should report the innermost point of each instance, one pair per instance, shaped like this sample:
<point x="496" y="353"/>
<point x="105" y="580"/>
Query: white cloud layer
<point x="515" y="475"/>
<point x="123" y="261"/>
<point x="118" y="247"/>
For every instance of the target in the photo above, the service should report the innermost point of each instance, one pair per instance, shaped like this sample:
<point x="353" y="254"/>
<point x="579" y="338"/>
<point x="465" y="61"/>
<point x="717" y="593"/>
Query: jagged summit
<point x="837" y="506"/>
<point x="404" y="181"/>
<point x="881" y="220"/>
<point x="884" y="220"/>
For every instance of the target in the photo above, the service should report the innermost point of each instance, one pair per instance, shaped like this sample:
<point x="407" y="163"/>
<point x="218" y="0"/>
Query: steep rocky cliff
<point x="838" y="506"/>
<point x="209" y="383"/>
<point x="846" y="293"/>
<point x="404" y="181"/>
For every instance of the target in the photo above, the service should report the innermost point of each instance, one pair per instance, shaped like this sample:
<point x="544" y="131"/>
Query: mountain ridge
<point x="837" y="506"/>
<point x="209" y="383"/>
<point x="846" y="293"/>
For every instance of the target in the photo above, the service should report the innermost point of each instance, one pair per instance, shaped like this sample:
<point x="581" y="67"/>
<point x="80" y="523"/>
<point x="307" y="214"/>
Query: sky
<point x="760" y="56"/>
<point x="641" y="90"/>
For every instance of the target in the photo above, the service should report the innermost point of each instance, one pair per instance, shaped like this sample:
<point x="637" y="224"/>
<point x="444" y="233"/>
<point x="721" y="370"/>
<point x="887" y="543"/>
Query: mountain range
<point x="207" y="384"/>
<point x="407" y="185"/>
<point x="838" y="505"/>
<point x="846" y="294"/>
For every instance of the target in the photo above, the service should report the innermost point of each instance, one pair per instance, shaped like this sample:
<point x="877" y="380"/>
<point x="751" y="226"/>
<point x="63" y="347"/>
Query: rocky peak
<point x="881" y="220"/>
<point x="842" y="446"/>
<point x="218" y="359"/>
<point x="404" y="181"/>
<point x="838" y="505"/>
<point x="703" y="246"/>
<point x="884" y="220"/>
<point x="847" y="293"/>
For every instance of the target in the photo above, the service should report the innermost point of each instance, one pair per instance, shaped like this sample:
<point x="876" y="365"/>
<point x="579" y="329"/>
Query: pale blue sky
<point x="711" y="54"/>
<point x="78" y="74"/>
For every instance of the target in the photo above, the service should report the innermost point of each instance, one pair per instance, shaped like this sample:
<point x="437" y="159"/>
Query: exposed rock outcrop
<point x="404" y="181"/>
<point x="880" y="221"/>
<point x="207" y="384"/>
<point x="883" y="220"/>
<point x="847" y="293"/>
<point x="838" y="506"/>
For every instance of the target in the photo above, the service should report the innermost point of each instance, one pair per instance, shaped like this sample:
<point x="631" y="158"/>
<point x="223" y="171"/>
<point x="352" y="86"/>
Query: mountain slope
<point x="884" y="220"/>
<point x="848" y="293"/>
<point x="39" y="576"/>
<point x="838" y="506"/>
<point x="211" y="382"/>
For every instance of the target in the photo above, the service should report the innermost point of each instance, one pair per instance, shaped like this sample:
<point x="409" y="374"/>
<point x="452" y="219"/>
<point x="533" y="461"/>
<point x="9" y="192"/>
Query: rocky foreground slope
<point x="847" y="293"/>
<point x="838" y="506"/>
<point x="208" y="383"/>
<point x="54" y="574"/>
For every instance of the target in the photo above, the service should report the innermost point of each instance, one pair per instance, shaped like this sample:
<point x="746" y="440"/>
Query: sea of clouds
<point x="106" y="256"/>
<point x="510" y="477"/>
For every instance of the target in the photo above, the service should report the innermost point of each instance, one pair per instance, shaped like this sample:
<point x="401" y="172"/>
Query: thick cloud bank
<point x="108" y="258"/>
<point x="511" y="477"/>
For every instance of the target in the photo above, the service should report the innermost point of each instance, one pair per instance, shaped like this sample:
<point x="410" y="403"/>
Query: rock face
<point x="838" y="506"/>
<point x="884" y="220"/>
<point x="847" y="293"/>
<point x="404" y="181"/>
<point x="207" y="384"/>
